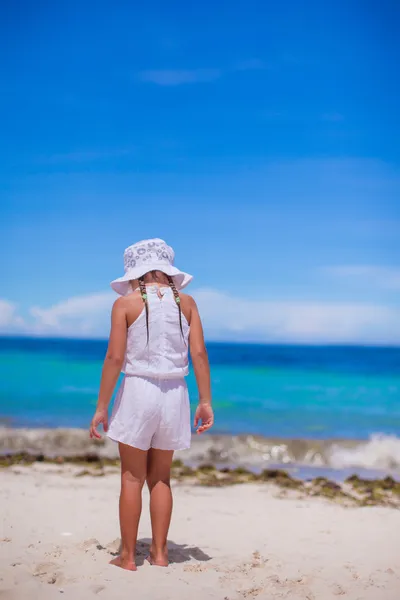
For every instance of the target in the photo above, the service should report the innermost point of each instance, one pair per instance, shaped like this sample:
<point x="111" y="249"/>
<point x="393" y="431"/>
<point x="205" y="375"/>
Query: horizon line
<point x="5" y="336"/>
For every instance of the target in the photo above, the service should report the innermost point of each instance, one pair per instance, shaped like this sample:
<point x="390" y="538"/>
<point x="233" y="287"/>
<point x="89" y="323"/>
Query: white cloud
<point x="80" y="315"/>
<point x="172" y="77"/>
<point x="375" y="276"/>
<point x="9" y="319"/>
<point x="228" y="317"/>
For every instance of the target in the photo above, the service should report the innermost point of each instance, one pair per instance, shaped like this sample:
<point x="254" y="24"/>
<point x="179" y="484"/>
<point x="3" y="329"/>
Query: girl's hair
<point x="177" y="300"/>
<point x="143" y="293"/>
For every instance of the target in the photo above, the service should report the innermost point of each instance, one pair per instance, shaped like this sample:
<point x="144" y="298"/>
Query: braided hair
<point x="177" y="300"/>
<point x="143" y="293"/>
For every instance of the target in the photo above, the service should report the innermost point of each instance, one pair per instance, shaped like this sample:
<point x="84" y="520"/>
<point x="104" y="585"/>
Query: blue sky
<point x="259" y="139"/>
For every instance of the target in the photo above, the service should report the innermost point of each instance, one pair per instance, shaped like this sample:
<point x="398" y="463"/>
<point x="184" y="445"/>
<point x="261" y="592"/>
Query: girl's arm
<point x="112" y="366"/>
<point x="198" y="353"/>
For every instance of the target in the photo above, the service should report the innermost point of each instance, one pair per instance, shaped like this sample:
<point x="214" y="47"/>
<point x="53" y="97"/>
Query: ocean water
<point x="283" y="393"/>
<point x="272" y="391"/>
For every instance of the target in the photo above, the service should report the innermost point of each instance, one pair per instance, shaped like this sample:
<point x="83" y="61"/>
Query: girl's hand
<point x="100" y="417"/>
<point x="205" y="414"/>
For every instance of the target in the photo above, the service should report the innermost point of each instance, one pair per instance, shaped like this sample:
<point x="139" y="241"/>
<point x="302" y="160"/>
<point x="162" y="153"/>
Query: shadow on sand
<point x="177" y="553"/>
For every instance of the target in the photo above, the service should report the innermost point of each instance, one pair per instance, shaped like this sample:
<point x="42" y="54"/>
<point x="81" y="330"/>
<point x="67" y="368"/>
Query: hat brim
<point x="123" y="287"/>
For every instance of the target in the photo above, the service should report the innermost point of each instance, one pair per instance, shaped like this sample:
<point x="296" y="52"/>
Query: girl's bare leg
<point x="133" y="476"/>
<point x="158" y="481"/>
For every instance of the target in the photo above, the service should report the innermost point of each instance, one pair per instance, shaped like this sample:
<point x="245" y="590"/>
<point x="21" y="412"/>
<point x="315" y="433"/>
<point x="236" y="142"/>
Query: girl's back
<point x="158" y="338"/>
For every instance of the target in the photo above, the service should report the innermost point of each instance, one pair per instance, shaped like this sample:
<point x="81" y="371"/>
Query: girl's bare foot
<point x="159" y="559"/>
<point x="125" y="563"/>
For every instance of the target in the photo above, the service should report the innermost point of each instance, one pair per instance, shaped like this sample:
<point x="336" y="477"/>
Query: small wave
<point x="379" y="452"/>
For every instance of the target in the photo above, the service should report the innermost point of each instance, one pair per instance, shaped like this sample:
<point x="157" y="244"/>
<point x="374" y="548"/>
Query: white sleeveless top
<point x="165" y="355"/>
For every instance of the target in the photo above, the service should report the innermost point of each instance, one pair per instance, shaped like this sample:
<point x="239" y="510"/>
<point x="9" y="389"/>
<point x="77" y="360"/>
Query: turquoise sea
<point x="280" y="391"/>
<point x="337" y="407"/>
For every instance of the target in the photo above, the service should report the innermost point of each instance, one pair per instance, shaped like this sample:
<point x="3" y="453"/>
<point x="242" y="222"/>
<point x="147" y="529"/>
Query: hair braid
<point x="143" y="293"/>
<point x="177" y="300"/>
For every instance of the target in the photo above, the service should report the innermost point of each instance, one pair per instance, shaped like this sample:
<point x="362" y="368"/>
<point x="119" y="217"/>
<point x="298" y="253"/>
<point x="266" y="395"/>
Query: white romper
<point x="151" y="409"/>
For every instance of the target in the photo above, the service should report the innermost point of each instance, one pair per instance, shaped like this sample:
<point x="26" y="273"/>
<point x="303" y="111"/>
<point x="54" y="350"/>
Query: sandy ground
<point x="59" y="531"/>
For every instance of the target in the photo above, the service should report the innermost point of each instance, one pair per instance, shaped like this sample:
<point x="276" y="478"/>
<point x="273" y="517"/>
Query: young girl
<point x="152" y="327"/>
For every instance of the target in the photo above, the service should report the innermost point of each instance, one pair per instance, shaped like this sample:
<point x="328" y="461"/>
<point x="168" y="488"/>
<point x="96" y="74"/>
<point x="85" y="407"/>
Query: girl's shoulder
<point x="188" y="303"/>
<point x="186" y="298"/>
<point x="127" y="301"/>
<point x="130" y="305"/>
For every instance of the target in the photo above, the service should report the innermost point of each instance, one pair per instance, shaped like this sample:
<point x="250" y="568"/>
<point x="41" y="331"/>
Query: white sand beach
<point x="244" y="541"/>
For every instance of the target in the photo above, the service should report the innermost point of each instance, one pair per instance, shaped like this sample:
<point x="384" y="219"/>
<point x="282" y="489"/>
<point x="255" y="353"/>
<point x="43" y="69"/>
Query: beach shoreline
<point x="61" y="451"/>
<point x="303" y="458"/>
<point x="61" y="529"/>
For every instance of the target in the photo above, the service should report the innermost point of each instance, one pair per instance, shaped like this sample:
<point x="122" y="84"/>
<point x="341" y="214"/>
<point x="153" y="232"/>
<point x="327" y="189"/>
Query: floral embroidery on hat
<point x="152" y="251"/>
<point x="129" y="264"/>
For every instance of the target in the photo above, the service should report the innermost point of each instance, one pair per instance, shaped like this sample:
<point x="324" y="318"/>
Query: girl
<point x="152" y="327"/>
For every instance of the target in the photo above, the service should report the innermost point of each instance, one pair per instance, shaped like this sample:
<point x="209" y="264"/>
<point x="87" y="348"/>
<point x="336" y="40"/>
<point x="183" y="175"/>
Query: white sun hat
<point x="145" y="256"/>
